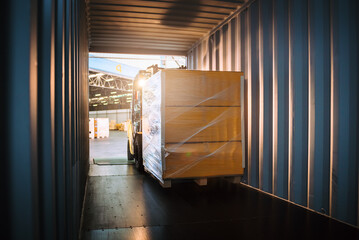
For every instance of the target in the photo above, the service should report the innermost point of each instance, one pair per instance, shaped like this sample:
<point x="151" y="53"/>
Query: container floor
<point x="122" y="203"/>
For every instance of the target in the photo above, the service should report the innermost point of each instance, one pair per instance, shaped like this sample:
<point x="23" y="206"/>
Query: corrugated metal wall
<point x="45" y="98"/>
<point x="300" y="60"/>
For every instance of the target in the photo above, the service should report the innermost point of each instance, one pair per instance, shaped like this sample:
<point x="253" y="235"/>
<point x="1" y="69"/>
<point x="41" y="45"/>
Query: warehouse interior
<point x="111" y="79"/>
<point x="300" y="65"/>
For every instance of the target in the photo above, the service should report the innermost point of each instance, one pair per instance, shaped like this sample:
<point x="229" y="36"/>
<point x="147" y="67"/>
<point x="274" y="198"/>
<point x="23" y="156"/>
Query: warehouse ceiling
<point x="167" y="27"/>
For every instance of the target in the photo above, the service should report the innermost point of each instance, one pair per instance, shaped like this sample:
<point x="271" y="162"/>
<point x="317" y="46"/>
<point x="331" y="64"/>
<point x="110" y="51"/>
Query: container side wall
<point x="46" y="117"/>
<point x="300" y="63"/>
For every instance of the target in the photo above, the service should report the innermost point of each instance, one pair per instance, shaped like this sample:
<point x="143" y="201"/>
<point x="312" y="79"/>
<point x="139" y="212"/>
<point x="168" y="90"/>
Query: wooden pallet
<point x="167" y="183"/>
<point x="102" y="137"/>
<point x="202" y="181"/>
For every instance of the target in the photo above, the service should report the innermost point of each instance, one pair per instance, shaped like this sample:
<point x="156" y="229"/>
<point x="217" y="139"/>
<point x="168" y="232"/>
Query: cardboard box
<point x="102" y="129"/>
<point x="191" y="160"/>
<point x="201" y="88"/>
<point x="198" y="124"/>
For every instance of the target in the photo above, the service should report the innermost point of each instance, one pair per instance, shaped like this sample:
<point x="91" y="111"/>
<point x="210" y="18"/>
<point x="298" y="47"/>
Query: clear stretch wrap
<point x="151" y="122"/>
<point x="192" y="123"/>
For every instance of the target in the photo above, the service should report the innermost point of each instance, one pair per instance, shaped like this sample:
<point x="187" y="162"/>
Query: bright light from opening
<point x="141" y="83"/>
<point x="113" y="92"/>
<point x="130" y="84"/>
<point x="97" y="94"/>
<point x="94" y="105"/>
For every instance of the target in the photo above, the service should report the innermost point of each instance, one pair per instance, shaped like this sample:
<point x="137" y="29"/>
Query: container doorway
<point x="113" y="105"/>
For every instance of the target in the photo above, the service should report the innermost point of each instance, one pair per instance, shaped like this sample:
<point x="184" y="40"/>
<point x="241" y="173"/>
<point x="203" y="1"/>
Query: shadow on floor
<point x="129" y="205"/>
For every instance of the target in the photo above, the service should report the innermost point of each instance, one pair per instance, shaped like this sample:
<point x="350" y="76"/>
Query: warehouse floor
<point x="122" y="203"/>
<point x="113" y="146"/>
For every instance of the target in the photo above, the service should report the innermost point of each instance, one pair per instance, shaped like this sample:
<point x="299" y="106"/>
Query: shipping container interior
<point x="300" y="64"/>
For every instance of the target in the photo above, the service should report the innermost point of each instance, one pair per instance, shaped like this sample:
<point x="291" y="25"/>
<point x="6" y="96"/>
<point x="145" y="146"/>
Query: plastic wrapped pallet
<point x="192" y="123"/>
<point x="102" y="128"/>
<point x="91" y="128"/>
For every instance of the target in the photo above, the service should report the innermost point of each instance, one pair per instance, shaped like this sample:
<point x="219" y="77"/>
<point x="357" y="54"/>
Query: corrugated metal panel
<point x="300" y="59"/>
<point x="45" y="154"/>
<point x="155" y="27"/>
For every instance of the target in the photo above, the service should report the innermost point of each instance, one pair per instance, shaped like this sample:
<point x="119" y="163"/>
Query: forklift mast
<point x="137" y="97"/>
<point x="134" y="132"/>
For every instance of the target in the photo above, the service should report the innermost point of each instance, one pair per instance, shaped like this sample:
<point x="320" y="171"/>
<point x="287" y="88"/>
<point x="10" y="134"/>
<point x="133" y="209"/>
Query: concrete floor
<point x="122" y="203"/>
<point x="113" y="146"/>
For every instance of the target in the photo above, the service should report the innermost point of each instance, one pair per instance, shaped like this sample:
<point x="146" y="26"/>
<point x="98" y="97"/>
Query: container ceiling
<point x="167" y="27"/>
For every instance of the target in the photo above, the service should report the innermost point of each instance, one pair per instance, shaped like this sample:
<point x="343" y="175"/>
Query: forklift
<point x="134" y="130"/>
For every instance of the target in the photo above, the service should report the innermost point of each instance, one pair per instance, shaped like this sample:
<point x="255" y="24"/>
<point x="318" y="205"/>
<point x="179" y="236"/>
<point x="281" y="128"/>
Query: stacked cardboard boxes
<point x="91" y="128"/>
<point x="102" y="128"/>
<point x="99" y="128"/>
<point x="192" y="124"/>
